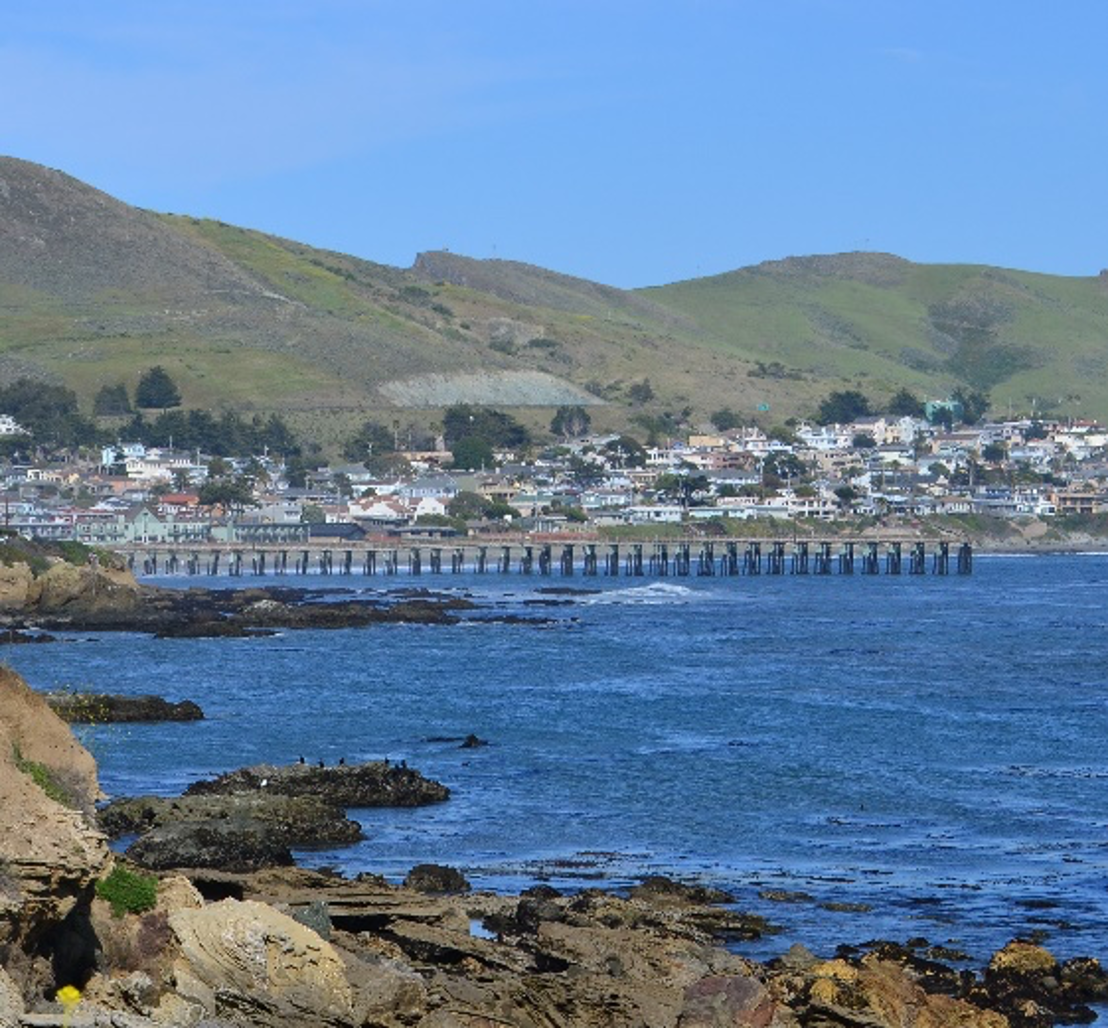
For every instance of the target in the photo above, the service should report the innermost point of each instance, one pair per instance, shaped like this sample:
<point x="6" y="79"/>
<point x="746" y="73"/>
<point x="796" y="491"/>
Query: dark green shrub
<point x="73" y="552"/>
<point x="128" y="891"/>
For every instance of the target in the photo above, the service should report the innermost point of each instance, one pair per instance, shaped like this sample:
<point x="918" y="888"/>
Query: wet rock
<point x="846" y="907"/>
<point x="659" y="887"/>
<point x="430" y="878"/>
<point x="536" y="905"/>
<point x="211" y="629"/>
<point x="472" y="741"/>
<point x="1026" y="983"/>
<point x="289" y="821"/>
<point x="14" y="636"/>
<point x="871" y="992"/>
<point x="243" y="846"/>
<point x="797" y="957"/>
<point x="372" y="784"/>
<point x="1085" y="979"/>
<point x="100" y="708"/>
<point x="787" y="896"/>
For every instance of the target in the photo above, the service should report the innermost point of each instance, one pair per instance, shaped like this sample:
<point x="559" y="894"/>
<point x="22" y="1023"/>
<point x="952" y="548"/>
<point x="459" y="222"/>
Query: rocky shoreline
<point x="35" y="605"/>
<point x="190" y="938"/>
<point x="206" y="920"/>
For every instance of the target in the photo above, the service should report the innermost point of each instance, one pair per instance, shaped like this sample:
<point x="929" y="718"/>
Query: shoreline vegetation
<point x="200" y="938"/>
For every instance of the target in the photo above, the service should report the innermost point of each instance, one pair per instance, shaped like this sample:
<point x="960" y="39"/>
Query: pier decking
<point x="657" y="559"/>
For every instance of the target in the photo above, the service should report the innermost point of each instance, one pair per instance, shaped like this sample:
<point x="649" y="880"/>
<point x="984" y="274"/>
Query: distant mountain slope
<point x="93" y="291"/>
<point x="531" y="286"/>
<point x="1015" y="335"/>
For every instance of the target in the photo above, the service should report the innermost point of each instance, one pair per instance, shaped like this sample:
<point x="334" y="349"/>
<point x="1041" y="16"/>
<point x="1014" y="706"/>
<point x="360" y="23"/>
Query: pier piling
<point x="661" y="558"/>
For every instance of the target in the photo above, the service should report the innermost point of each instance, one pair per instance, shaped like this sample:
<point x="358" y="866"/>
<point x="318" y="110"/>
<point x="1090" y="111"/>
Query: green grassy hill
<point x="93" y="292"/>
<point x="1024" y="339"/>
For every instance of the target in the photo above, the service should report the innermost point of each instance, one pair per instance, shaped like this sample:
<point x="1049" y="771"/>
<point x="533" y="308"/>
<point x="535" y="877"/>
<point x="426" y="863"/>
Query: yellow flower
<point x="68" y="997"/>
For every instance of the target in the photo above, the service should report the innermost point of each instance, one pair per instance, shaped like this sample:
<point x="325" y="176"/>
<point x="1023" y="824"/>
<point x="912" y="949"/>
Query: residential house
<point x="434" y="485"/>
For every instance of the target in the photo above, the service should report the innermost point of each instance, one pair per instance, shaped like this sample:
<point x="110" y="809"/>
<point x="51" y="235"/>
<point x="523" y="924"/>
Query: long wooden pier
<point x="659" y="559"/>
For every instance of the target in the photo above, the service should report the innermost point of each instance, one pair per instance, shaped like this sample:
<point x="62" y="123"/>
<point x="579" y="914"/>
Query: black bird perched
<point x="342" y="761"/>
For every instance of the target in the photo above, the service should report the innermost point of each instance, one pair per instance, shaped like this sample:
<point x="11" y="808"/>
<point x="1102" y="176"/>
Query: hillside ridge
<point x="94" y="291"/>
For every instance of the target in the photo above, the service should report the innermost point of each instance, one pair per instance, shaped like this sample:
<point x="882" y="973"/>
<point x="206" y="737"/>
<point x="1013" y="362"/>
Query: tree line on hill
<point x="472" y="433"/>
<point x="841" y="407"/>
<point x="52" y="417"/>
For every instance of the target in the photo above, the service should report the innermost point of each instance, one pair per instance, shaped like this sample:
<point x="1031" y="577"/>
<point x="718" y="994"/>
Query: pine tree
<point x="157" y="389"/>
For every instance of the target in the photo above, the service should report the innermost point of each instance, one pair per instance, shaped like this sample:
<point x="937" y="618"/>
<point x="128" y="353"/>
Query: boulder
<point x="727" y="1000"/>
<point x="871" y="992"/>
<point x="430" y="878"/>
<point x="16" y="581"/>
<point x="1022" y="959"/>
<point x="1026" y="983"/>
<point x="244" y="963"/>
<point x="85" y="592"/>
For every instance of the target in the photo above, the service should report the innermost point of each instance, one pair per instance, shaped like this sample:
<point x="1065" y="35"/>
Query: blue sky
<point x="634" y="143"/>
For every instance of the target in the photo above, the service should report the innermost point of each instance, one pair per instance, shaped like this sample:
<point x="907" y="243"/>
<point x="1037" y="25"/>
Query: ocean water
<point x="931" y="749"/>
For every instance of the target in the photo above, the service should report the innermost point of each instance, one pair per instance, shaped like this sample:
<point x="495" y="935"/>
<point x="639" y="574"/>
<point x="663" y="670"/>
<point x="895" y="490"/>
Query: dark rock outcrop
<point x="98" y="708"/>
<point x="244" y="845"/>
<point x="370" y="784"/>
<point x="248" y="819"/>
<point x="431" y="878"/>
<point x="289" y="821"/>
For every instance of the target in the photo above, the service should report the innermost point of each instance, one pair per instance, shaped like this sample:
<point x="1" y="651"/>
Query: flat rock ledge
<point x="295" y="947"/>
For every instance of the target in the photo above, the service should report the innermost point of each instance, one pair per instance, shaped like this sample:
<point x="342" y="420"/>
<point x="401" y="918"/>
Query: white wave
<point x="653" y="593"/>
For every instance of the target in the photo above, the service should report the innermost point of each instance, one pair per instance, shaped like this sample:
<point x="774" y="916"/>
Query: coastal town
<point x="875" y="467"/>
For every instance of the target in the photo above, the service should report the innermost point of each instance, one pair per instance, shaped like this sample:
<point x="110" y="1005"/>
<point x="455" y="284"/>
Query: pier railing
<point x="657" y="559"/>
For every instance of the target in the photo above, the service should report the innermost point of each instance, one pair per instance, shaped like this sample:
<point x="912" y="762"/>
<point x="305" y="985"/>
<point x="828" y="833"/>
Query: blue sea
<point x="931" y="749"/>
